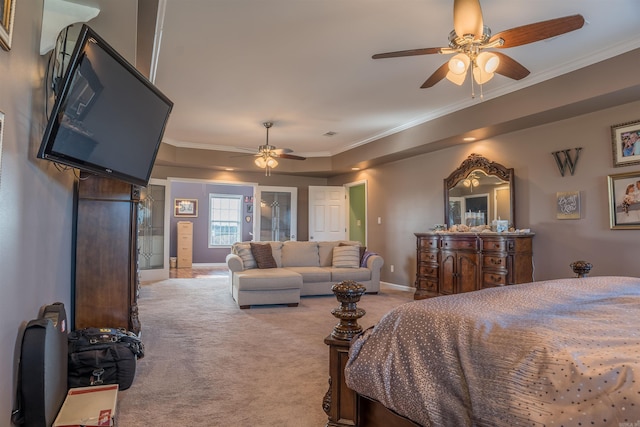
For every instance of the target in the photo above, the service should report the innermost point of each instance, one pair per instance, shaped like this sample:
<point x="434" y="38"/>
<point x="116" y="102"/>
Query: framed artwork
<point x="7" y="13"/>
<point x="249" y="208"/>
<point x="624" y="201"/>
<point x="625" y="140"/>
<point x="185" y="207"/>
<point x="568" y="205"/>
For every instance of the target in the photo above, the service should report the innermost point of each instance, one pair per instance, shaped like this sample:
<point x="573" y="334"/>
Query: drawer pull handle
<point x="495" y="279"/>
<point x="496" y="261"/>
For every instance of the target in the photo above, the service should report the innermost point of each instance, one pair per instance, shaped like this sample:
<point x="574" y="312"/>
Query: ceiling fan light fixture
<point x="488" y="62"/>
<point x="459" y="64"/>
<point x="481" y="77"/>
<point x="271" y="162"/>
<point x="456" y="78"/>
<point x="260" y="162"/>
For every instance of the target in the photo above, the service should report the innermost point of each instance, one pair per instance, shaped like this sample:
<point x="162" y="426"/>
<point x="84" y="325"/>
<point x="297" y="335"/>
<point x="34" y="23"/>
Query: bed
<point x="552" y="353"/>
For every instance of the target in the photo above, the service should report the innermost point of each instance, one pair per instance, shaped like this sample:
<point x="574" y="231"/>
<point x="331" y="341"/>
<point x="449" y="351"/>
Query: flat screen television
<point x="107" y="119"/>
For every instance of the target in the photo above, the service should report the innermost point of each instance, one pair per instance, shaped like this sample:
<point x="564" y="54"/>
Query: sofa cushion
<point x="313" y="274"/>
<point x="276" y="251"/>
<point x="263" y="254"/>
<point x="357" y="274"/>
<point x="270" y="278"/>
<point x="346" y="256"/>
<point x="325" y="252"/>
<point x="300" y="254"/>
<point x="243" y="250"/>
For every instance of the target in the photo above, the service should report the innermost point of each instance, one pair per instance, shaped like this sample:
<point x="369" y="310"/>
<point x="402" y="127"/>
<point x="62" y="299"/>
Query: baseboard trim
<point x="398" y="287"/>
<point x="209" y="264"/>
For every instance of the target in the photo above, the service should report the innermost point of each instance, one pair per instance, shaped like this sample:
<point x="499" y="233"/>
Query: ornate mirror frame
<point x="473" y="163"/>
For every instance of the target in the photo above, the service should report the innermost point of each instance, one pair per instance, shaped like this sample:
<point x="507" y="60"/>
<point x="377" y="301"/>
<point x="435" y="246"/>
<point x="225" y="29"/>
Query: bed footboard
<point x="343" y="406"/>
<point x="340" y="402"/>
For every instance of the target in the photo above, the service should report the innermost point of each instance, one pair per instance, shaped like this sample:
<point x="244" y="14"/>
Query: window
<point x="225" y="216"/>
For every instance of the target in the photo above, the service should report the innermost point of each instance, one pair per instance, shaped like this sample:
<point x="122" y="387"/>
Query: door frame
<point x="366" y="206"/>
<point x="161" y="273"/>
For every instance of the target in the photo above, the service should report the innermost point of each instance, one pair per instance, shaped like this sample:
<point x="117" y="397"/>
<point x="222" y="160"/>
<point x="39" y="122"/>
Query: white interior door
<point x="327" y="213"/>
<point x="275" y="214"/>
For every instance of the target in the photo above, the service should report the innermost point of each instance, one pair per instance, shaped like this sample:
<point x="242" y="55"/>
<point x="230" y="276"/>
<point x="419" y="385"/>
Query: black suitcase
<point x="42" y="373"/>
<point x="100" y="356"/>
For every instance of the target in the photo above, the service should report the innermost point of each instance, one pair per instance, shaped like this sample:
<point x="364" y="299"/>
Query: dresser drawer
<point x="494" y="245"/>
<point x="490" y="280"/>
<point x="428" y="257"/>
<point x="427" y="285"/>
<point x="428" y="271"/>
<point x="429" y="242"/>
<point x="460" y="244"/>
<point x="489" y="261"/>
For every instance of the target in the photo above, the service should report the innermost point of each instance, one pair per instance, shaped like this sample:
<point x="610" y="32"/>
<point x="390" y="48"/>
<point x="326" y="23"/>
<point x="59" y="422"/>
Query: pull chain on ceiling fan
<point x="469" y="39"/>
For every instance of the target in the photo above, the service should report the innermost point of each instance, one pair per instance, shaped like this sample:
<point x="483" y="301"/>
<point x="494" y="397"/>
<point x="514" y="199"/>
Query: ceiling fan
<point x="470" y="37"/>
<point x="267" y="154"/>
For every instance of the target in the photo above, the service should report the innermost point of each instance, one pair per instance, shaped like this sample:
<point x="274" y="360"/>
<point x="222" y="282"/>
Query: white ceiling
<point x="230" y="65"/>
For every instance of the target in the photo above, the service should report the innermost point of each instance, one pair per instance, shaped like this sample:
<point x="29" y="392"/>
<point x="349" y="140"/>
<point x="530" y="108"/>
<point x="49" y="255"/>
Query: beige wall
<point x="407" y="196"/>
<point x="36" y="199"/>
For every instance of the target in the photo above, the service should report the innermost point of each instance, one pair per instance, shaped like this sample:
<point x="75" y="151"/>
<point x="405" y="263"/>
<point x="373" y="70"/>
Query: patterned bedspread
<point x="554" y="353"/>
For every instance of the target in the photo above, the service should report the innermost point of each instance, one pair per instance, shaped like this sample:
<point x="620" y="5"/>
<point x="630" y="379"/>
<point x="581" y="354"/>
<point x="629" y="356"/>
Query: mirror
<point x="479" y="192"/>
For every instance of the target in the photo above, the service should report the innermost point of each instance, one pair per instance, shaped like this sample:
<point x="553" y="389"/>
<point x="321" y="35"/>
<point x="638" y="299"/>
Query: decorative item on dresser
<point x="105" y="285"/>
<point x="452" y="263"/>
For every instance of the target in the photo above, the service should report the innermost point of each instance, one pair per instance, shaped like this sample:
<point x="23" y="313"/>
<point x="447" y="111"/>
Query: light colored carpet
<point x="208" y="363"/>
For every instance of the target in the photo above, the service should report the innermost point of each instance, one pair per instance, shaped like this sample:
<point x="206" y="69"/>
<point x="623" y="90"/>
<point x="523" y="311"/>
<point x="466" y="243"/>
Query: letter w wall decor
<point x="565" y="161"/>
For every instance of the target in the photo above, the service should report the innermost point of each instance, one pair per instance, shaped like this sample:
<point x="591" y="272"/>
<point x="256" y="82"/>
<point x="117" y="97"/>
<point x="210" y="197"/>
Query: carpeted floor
<point x="210" y="364"/>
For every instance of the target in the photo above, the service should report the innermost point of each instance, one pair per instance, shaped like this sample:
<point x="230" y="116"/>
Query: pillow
<point x="243" y="250"/>
<point x="363" y="249"/>
<point x="346" y="256"/>
<point x="263" y="254"/>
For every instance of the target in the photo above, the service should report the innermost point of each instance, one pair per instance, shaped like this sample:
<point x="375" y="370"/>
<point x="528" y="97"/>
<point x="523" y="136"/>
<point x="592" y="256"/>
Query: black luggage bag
<point x="103" y="356"/>
<point x="42" y="374"/>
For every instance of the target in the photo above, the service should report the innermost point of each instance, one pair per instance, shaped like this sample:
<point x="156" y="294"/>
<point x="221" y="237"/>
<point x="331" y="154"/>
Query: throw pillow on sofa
<point x="363" y="249"/>
<point x="243" y="250"/>
<point x="263" y="254"/>
<point x="346" y="256"/>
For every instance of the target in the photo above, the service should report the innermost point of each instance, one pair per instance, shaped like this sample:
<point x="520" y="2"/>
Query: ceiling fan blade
<point x="282" y="150"/>
<point x="410" y="52"/>
<point x="291" y="156"/>
<point x="438" y="75"/>
<point x="511" y="68"/>
<point x="539" y="31"/>
<point x="467" y="17"/>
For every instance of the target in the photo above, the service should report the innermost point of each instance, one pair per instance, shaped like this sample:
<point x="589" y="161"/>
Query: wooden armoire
<point x="105" y="283"/>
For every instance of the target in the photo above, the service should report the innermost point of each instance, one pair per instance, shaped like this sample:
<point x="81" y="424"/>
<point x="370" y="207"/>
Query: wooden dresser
<point x="105" y="280"/>
<point x="451" y="263"/>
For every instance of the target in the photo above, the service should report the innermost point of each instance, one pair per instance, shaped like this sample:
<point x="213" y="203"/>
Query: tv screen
<point x="107" y="118"/>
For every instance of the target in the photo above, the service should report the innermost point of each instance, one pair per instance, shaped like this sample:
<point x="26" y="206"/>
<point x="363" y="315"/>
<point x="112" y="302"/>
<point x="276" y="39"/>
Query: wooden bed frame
<point x="343" y="406"/>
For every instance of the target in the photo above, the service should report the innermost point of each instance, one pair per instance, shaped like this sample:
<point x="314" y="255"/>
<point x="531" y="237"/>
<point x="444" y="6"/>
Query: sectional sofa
<point x="296" y="269"/>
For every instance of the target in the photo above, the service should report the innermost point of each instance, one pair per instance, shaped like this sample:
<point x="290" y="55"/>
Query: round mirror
<point x="478" y="193"/>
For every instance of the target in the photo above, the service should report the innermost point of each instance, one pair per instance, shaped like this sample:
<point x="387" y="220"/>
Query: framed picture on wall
<point x="625" y="139"/>
<point x="185" y="208"/>
<point x="624" y="200"/>
<point x="568" y="205"/>
<point x="7" y="13"/>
